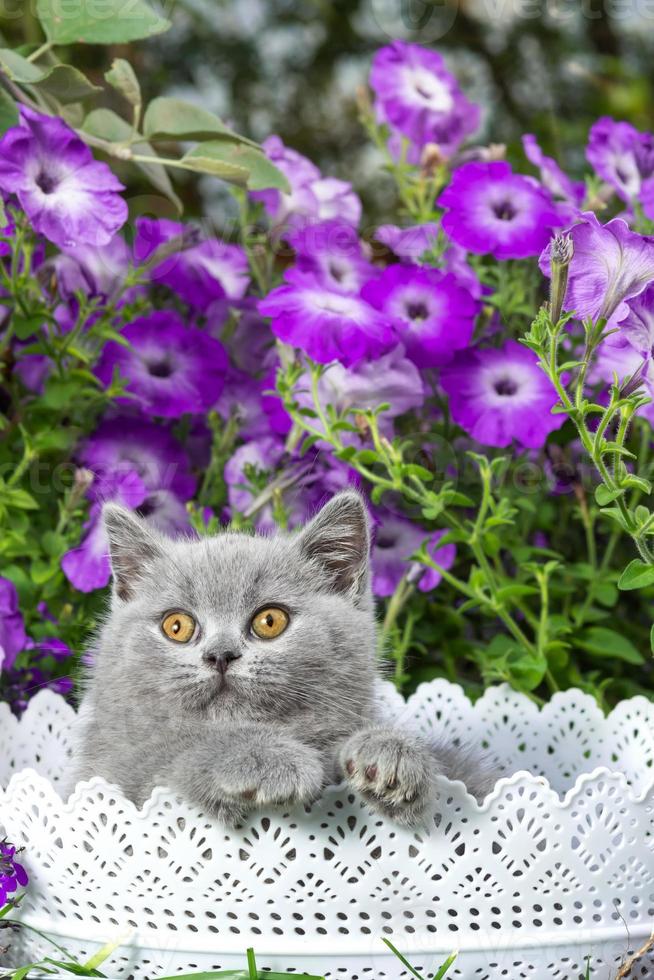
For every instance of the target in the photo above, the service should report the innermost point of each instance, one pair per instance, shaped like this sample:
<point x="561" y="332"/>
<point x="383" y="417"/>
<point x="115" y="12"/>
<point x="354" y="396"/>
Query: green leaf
<point x="175" y="119"/>
<point x="108" y="125"/>
<point x="58" y="394"/>
<point x="63" y="82"/>
<point x="638" y="483"/>
<point x="637" y="575"/>
<point x="421" y="472"/>
<point x="26" y="326"/>
<point x="122" y="77"/>
<point x="604" y="496"/>
<point x="90" y="22"/>
<point x="603" y="642"/>
<point x="459" y="499"/>
<point x="20" y="499"/>
<point x="8" y="113"/>
<point x="515" y="591"/>
<point x="236" y="162"/>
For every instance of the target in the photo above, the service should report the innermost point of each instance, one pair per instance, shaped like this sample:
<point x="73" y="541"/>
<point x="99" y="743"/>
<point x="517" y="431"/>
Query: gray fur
<point x="287" y="716"/>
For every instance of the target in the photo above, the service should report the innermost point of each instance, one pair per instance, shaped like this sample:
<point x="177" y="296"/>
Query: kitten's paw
<point x="391" y="770"/>
<point x="283" y="773"/>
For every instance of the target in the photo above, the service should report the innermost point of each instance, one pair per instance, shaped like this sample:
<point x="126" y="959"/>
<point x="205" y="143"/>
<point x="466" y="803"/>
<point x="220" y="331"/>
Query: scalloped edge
<point x="84" y="790"/>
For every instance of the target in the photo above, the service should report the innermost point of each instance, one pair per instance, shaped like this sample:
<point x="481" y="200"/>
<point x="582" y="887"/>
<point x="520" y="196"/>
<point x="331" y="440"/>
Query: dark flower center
<point x="161" y="369"/>
<point x="336" y="272"/>
<point x="422" y="91"/>
<point x="385" y="541"/>
<point x="504" y="211"/>
<point x="147" y="508"/>
<point x="46" y="182"/>
<point x="505" y="387"/>
<point x="417" y="311"/>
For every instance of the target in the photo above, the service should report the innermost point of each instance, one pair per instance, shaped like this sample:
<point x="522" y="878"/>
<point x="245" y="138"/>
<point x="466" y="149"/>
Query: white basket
<point x="556" y="866"/>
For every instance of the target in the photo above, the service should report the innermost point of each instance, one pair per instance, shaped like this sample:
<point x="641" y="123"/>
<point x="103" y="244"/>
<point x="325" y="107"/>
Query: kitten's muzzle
<point x="219" y="661"/>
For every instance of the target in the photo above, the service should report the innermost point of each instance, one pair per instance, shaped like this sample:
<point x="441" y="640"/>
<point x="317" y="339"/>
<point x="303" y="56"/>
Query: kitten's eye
<point x="269" y="623"/>
<point x="178" y="626"/>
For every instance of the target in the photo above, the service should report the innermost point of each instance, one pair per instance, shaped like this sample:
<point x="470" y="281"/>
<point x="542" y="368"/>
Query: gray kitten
<point x="241" y="672"/>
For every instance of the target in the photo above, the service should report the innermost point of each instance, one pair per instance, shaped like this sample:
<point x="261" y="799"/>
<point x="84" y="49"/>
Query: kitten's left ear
<point x="338" y="540"/>
<point x="132" y="548"/>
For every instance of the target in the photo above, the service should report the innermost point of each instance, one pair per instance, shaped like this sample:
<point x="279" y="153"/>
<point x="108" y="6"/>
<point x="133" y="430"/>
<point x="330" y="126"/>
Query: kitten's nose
<point x="219" y="660"/>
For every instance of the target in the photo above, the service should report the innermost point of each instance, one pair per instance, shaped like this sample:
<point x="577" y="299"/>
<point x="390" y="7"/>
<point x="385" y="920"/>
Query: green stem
<point x="35" y="55"/>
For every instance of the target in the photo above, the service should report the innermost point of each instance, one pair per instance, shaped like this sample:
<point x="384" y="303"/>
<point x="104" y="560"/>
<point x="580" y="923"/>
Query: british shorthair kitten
<point x="241" y="671"/>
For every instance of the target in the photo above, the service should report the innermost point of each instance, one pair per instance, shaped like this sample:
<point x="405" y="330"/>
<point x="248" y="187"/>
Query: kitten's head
<point x="240" y="624"/>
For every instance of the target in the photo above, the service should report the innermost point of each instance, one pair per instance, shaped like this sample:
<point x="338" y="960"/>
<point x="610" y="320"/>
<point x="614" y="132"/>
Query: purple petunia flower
<point x="637" y="328"/>
<point x="251" y="460"/>
<point x="443" y="555"/>
<point x="299" y="172"/>
<point x="249" y="341"/>
<point x="126" y="444"/>
<point x="12" y="874"/>
<point x="610" y="265"/>
<point x="420" y="98"/>
<point x="312" y="197"/>
<point x="68" y="196"/>
<point x="491" y="209"/>
<point x="93" y="270"/>
<point x="500" y="395"/>
<point x="87" y="566"/>
<point x="409" y="244"/>
<point x="241" y="399"/>
<point x="13" y="638"/>
<point x="201" y="273"/>
<point x="618" y="358"/>
<point x="328" y="325"/>
<point x="170" y="368"/>
<point x="623" y="157"/>
<point x="557" y="182"/>
<point x="336" y="199"/>
<point x="391" y="379"/>
<point x="395" y="540"/>
<point x="329" y="253"/>
<point x="432" y="314"/>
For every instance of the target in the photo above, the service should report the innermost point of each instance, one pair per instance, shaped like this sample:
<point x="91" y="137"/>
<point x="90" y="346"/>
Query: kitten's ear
<point x="338" y="540"/>
<point x="132" y="547"/>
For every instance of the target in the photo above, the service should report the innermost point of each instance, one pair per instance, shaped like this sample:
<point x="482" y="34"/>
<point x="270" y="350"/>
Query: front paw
<point x="284" y="772"/>
<point x="391" y="770"/>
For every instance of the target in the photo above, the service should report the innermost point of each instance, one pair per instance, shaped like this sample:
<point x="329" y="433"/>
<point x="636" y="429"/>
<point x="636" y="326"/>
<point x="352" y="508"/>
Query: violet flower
<point x="395" y="540"/>
<point x="69" y="197"/>
<point x="623" y="157"/>
<point x="12" y="874"/>
<point x="329" y="253"/>
<point x="420" y="98"/>
<point x="552" y="177"/>
<point x="500" y="395"/>
<point x="170" y="368"/>
<point x="200" y="273"/>
<point x="328" y="325"/>
<point x="491" y="209"/>
<point x="611" y="264"/>
<point x="432" y="314"/>
<point x="13" y="637"/>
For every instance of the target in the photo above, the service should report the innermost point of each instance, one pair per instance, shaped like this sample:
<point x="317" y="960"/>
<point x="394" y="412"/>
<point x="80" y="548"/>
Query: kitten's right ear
<point x="132" y="547"/>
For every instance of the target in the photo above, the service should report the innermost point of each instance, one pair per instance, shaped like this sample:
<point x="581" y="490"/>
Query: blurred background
<point x="293" y="67"/>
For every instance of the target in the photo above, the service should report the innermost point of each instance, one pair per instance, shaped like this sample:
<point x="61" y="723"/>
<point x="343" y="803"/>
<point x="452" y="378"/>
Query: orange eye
<point x="178" y="626"/>
<point x="270" y="623"/>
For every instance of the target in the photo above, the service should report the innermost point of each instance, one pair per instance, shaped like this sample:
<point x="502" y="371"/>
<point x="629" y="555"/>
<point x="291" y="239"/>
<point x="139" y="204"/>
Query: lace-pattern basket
<point x="555" y="867"/>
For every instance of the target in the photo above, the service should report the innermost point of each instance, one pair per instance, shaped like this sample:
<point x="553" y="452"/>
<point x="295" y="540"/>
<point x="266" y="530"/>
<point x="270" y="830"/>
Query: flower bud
<point x="561" y="252"/>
